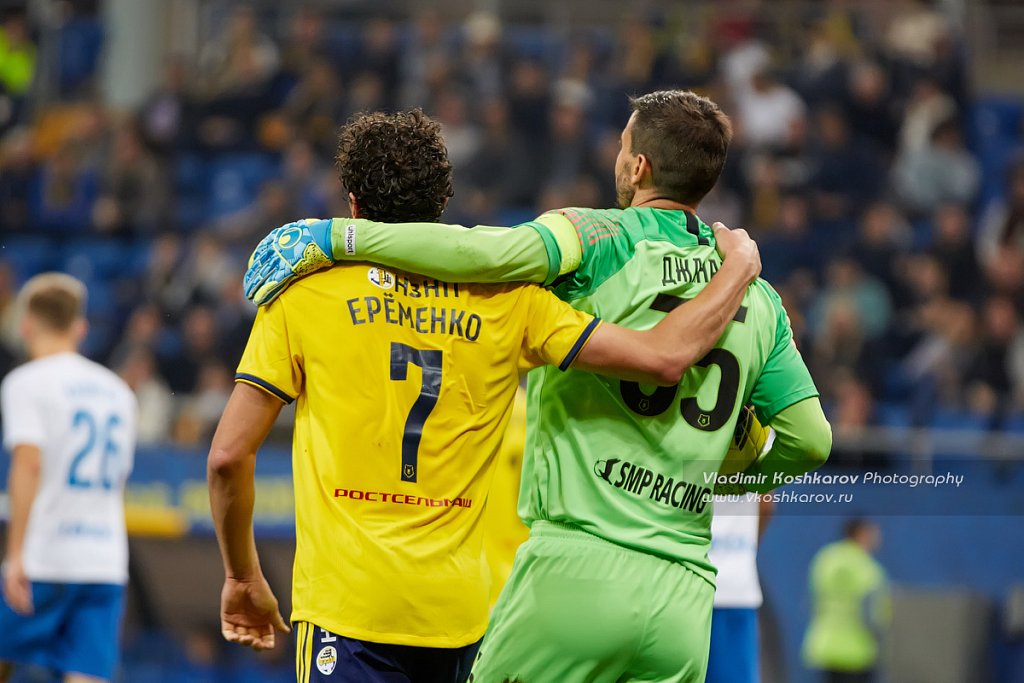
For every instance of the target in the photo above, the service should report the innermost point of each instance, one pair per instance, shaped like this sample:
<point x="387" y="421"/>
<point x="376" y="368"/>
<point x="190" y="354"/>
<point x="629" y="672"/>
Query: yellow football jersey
<point x="404" y="388"/>
<point x="504" y="532"/>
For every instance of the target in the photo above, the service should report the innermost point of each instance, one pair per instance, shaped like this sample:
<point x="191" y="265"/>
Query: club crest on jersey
<point x="409" y="471"/>
<point x="326" y="660"/>
<point x="381" y="278"/>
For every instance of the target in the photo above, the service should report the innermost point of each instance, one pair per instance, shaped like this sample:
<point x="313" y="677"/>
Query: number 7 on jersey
<point x="431" y="362"/>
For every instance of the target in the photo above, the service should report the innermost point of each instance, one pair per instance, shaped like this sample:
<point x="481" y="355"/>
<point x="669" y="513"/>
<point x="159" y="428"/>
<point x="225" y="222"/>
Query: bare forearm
<point x="231" y="468"/>
<point x="232" y="494"/>
<point x="22" y="484"/>
<point x="663" y="353"/>
<point x="692" y="329"/>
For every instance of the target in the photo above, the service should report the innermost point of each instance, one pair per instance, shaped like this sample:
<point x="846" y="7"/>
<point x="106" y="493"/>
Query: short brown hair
<point x="396" y="165"/>
<point x="56" y="300"/>
<point x="685" y="137"/>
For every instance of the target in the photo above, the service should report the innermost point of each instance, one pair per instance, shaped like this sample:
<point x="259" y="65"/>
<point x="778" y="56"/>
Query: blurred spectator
<point x="212" y="391"/>
<point x="822" y="71"/>
<point x="133" y="189"/>
<point x="957" y="257"/>
<point x="853" y="410"/>
<point x="303" y="175"/>
<point x="847" y="174"/>
<point x="156" y="404"/>
<point x="164" y="117"/>
<point x="501" y="172"/>
<point x="273" y="206"/>
<point x="197" y="347"/>
<point x="378" y="54"/>
<point x="788" y="247"/>
<point x="996" y="376"/>
<point x="234" y="316"/>
<point x="529" y="99"/>
<point x="425" y="54"/>
<point x="64" y="192"/>
<point x="927" y="109"/>
<point x="915" y="32"/>
<point x="366" y="93"/>
<point x="569" y="152"/>
<point x="847" y="321"/>
<point x="17" y="178"/>
<point x="1001" y="241"/>
<point x="482" y="63"/>
<point x="142" y="333"/>
<point x="315" y="105"/>
<point x="882" y="237"/>
<point x="769" y="111"/>
<point x="940" y="171"/>
<point x="306" y="41"/>
<point x="636" y="57"/>
<point x="936" y="367"/>
<point x="461" y="136"/>
<point x="199" y="277"/>
<point x="240" y="59"/>
<point x="869" y="105"/>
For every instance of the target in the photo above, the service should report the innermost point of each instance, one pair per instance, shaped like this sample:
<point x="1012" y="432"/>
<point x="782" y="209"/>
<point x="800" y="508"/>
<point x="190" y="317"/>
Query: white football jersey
<point x="82" y="417"/>
<point x="734" y="552"/>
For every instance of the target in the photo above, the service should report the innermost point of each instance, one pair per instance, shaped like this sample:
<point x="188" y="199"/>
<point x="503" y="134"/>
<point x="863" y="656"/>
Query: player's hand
<point x="288" y="252"/>
<point x="249" y="613"/>
<point x="737" y="247"/>
<point x="17" y="587"/>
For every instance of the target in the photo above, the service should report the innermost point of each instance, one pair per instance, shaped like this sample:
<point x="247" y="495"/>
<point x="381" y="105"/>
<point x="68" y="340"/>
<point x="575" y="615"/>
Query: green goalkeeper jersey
<point x="636" y="464"/>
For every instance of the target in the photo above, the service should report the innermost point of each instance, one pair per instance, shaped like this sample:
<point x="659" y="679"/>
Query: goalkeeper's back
<point x="635" y="464"/>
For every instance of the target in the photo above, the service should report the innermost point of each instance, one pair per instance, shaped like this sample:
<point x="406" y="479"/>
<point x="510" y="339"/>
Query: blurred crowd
<point x="853" y="166"/>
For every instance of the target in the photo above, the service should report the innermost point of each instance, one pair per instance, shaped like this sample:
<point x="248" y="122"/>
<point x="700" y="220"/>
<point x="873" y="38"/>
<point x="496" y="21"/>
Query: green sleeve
<point x="784" y="379"/>
<point x="451" y="253"/>
<point x="803" y="441"/>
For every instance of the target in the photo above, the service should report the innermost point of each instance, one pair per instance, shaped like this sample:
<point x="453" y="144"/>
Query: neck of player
<point x="44" y="345"/>
<point x="650" y="199"/>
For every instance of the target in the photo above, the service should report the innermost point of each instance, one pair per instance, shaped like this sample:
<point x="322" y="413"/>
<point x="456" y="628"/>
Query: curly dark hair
<point x="396" y="165"/>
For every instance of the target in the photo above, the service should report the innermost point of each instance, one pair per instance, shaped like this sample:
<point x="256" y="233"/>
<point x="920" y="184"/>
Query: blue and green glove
<point x="287" y="253"/>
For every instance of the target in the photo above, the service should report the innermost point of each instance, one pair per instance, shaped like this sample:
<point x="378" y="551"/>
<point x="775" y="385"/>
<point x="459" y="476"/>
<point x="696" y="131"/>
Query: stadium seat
<point x="96" y="258"/>
<point x="28" y="255"/>
<point x="235" y="180"/>
<point x="996" y="119"/>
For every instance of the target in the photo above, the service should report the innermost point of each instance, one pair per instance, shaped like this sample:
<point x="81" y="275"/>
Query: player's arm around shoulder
<point x="451" y="253"/>
<point x="662" y="354"/>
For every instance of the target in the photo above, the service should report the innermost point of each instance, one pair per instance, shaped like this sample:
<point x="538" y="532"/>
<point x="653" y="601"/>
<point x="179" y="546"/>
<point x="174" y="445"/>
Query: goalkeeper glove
<point x="287" y="253"/>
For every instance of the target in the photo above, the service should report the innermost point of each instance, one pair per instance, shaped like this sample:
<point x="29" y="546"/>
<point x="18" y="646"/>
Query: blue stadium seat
<point x="996" y="119"/>
<point x="29" y="255"/>
<point x="191" y="173"/>
<point x="98" y="259"/>
<point x="235" y="180"/>
<point x="533" y="43"/>
<point x="892" y="415"/>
